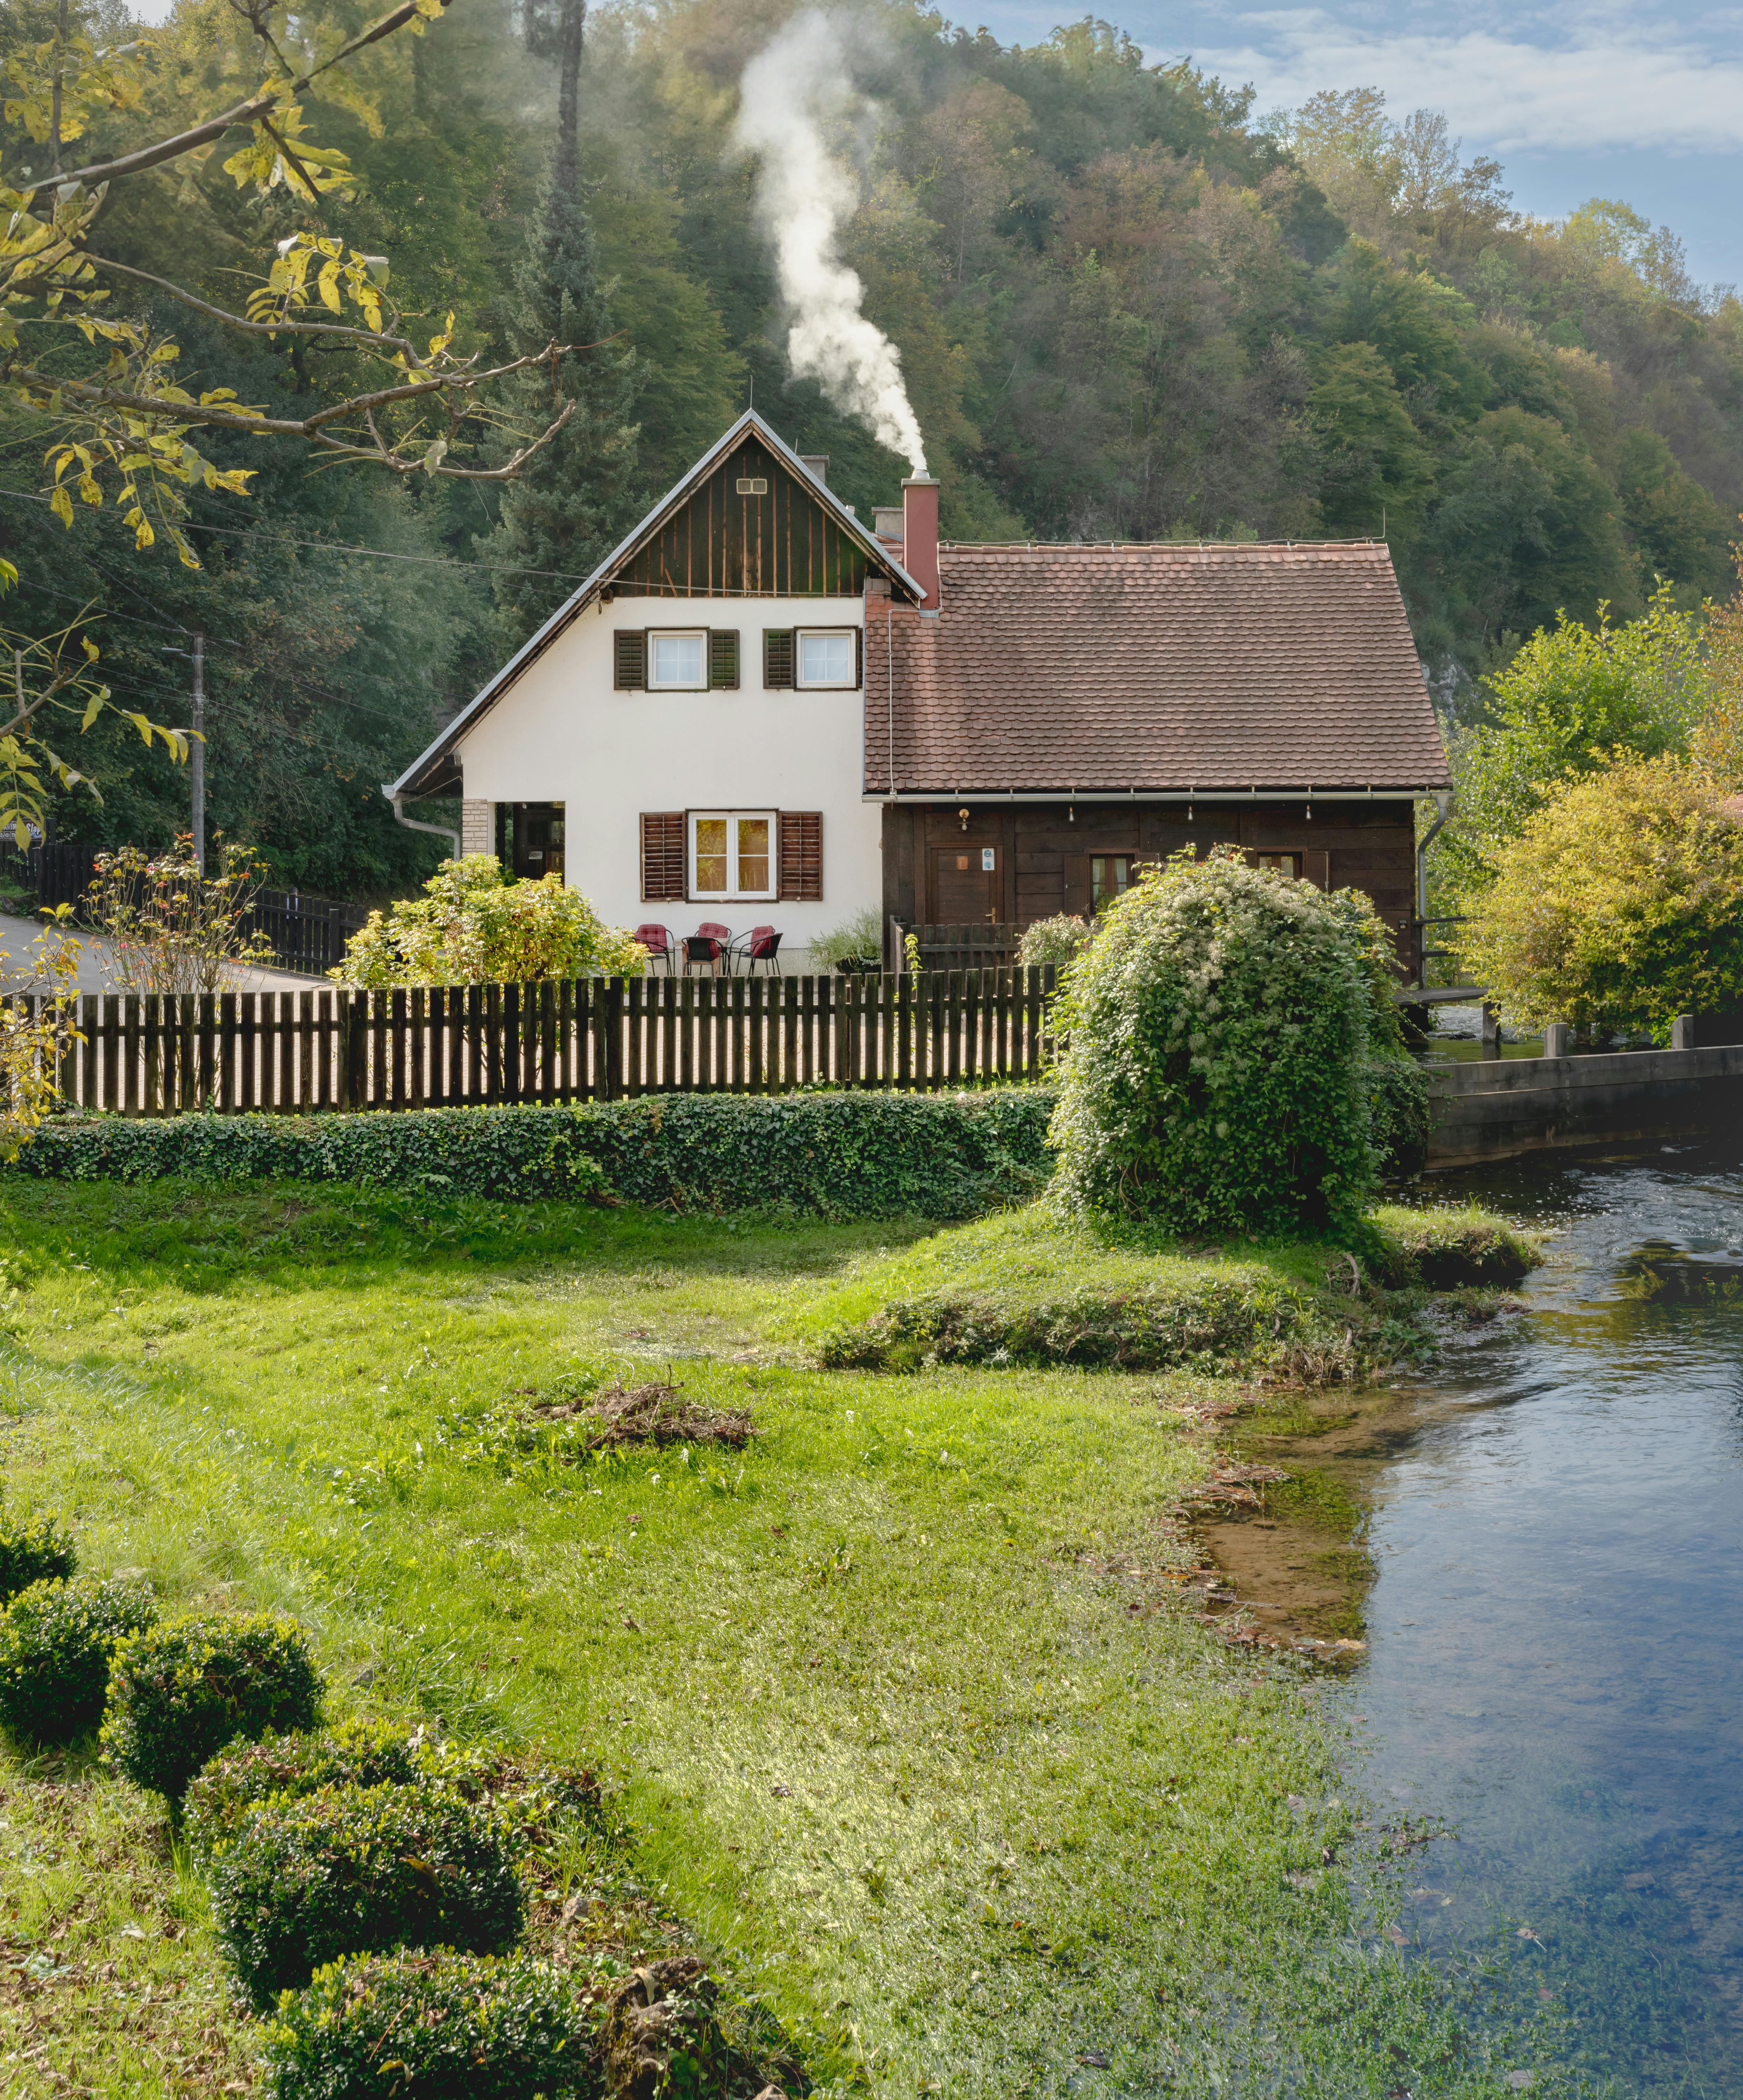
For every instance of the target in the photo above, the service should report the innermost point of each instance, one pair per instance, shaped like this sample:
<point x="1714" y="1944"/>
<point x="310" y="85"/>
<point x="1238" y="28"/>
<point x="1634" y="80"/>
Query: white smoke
<point x="790" y="92"/>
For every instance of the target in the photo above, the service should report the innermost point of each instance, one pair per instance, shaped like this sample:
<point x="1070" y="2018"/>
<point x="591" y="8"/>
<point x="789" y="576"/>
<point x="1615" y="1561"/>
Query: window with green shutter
<point x="777" y="658"/>
<point x="723" y="659"/>
<point x="629" y="659"/>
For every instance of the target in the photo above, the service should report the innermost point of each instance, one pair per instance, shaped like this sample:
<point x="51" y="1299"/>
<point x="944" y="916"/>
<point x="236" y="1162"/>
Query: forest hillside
<point x="1124" y="309"/>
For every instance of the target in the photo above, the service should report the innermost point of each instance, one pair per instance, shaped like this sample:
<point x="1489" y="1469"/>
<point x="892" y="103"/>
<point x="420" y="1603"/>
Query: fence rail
<point x="598" y="1039"/>
<point x="977" y="945"/>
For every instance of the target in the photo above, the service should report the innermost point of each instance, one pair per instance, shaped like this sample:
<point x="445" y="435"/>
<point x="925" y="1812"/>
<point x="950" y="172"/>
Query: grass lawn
<point x="903" y="1712"/>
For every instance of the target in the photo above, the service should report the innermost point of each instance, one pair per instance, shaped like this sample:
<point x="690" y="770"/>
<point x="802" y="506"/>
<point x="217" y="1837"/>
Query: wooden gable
<point x="754" y="528"/>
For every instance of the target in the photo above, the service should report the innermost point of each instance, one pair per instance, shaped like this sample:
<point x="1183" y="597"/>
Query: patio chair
<point x="708" y="948"/>
<point x="762" y="944"/>
<point x="661" y="947"/>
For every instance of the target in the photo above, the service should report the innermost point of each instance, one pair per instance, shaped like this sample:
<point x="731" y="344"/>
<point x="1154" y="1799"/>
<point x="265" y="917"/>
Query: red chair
<point x="762" y="944"/>
<point x="708" y="946"/>
<point x="659" y="944"/>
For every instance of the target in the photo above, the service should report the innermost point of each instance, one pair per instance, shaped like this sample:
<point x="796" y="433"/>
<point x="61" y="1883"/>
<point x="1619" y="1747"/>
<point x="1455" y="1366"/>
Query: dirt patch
<point x="656" y="1414"/>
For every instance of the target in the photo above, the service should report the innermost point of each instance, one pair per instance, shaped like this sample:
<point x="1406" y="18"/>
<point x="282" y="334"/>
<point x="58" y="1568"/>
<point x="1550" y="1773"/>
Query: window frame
<point x="730" y="894"/>
<point x="850" y="684"/>
<point x="655" y="635"/>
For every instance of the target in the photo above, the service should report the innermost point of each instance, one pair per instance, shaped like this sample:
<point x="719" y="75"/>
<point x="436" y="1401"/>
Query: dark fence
<point x="599" y="1039"/>
<point x="979" y="944"/>
<point x="307" y="934"/>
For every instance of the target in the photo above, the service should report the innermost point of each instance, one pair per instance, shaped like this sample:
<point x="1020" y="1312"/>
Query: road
<point x="17" y="937"/>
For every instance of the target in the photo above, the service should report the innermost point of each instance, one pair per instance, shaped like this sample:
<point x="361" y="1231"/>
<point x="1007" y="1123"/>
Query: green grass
<point x="898" y="1705"/>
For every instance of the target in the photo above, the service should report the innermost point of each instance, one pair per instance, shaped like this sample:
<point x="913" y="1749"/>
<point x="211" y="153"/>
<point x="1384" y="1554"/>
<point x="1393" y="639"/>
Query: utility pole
<point x="197" y="755"/>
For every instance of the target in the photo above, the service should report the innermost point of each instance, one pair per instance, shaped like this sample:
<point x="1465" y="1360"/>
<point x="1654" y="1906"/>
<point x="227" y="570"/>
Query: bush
<point x="858" y="939"/>
<point x="1219" y="1031"/>
<point x="33" y="1549"/>
<point x="432" y="2026"/>
<point x="1447" y="1250"/>
<point x="1620" y="904"/>
<point x="357" y="1870"/>
<point x="1058" y="941"/>
<point x="56" y="1641"/>
<point x="179" y="1693"/>
<point x="353" y="1754"/>
<point x="826" y="1155"/>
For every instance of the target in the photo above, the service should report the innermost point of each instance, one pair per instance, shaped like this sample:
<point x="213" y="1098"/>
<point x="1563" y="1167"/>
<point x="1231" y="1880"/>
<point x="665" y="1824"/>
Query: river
<point x="1553" y="1625"/>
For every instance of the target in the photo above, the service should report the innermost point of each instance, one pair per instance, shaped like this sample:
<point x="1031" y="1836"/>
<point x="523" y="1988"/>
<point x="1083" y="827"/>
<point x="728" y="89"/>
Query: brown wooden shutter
<point x="777" y="658"/>
<point x="629" y="659"/>
<point x="723" y="659"/>
<point x="663" y="857"/>
<point x="859" y="655"/>
<point x="801" y="856"/>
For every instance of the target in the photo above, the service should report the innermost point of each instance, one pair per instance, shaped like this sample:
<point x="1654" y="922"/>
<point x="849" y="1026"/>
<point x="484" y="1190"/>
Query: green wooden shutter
<point x="723" y="659"/>
<point x="859" y="655"/>
<point x="629" y="659"/>
<point x="777" y="658"/>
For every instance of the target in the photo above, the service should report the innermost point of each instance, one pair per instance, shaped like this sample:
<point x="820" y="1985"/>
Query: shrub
<point x="1218" y="1033"/>
<point x="357" y="1870"/>
<point x="33" y="1549"/>
<point x="1620" y="903"/>
<point x="829" y="1154"/>
<point x="353" y="1754"/>
<point x="475" y="925"/>
<point x="56" y="1640"/>
<point x="432" y="2026"/>
<point x="1058" y="940"/>
<point x="179" y="1693"/>
<point x="858" y="939"/>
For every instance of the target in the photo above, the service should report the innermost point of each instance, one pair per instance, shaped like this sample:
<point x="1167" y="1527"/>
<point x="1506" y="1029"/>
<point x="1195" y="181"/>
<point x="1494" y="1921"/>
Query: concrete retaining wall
<point x="1493" y="1109"/>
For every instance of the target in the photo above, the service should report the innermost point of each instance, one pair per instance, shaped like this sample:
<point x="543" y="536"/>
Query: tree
<point x="573" y="503"/>
<point x="1573" y="698"/>
<point x="1619" y="905"/>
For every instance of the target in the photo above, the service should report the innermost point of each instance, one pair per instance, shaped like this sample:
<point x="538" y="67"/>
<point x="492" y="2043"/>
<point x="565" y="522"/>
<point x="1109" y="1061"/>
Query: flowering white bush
<point x="1224" y="1034"/>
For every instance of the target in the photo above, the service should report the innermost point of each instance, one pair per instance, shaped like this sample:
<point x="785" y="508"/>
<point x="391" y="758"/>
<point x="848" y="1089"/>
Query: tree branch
<point x="199" y="306"/>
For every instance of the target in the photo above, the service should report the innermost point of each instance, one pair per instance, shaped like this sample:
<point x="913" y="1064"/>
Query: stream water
<point x="1555" y="1623"/>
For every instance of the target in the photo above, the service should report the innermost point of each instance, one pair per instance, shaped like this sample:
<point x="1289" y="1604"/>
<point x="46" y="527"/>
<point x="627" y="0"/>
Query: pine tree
<point x="575" y="498"/>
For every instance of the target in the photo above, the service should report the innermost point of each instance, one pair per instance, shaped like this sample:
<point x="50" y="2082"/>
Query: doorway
<point x="967" y="882"/>
<point x="537" y="839"/>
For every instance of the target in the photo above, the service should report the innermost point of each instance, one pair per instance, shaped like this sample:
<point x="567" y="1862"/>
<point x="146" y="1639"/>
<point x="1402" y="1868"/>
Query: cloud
<point x="1599" y="80"/>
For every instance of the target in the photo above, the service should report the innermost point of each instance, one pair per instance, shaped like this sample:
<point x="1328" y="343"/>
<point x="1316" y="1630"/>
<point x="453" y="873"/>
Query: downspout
<point x="412" y="824"/>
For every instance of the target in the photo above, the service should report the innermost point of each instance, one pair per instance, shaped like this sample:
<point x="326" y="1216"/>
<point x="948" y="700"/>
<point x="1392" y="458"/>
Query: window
<point x="1109" y="874"/>
<point x="828" y="656"/>
<point x="1284" y="863"/>
<point x="677" y="659"/>
<point x="732" y="853"/>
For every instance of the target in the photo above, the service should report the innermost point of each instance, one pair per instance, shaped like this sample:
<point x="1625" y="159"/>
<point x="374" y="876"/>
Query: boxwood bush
<point x="353" y="1754"/>
<point x="838" y="1154"/>
<point x="301" y="1881"/>
<point x="178" y="1693"/>
<point x="33" y="1549"/>
<point x="432" y="2026"/>
<point x="56" y="1641"/>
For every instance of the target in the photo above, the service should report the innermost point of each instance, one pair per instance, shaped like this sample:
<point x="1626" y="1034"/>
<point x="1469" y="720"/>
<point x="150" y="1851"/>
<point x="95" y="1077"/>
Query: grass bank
<point x="898" y="1703"/>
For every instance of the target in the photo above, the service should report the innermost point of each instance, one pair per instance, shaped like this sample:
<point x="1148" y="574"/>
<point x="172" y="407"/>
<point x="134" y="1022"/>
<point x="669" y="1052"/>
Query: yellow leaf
<point x="93" y="708"/>
<point x="328" y="285"/>
<point x="61" y="504"/>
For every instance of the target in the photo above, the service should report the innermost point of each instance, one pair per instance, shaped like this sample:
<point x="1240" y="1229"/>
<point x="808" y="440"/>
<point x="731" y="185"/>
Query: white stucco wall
<point x="563" y="735"/>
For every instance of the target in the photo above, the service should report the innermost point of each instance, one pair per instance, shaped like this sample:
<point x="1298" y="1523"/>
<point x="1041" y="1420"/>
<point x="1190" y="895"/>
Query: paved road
<point x="17" y="938"/>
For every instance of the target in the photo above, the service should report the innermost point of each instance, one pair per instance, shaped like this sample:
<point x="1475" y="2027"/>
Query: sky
<point x="1577" y="100"/>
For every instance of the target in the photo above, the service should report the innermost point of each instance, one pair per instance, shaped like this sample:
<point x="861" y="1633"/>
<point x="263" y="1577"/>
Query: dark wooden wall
<point x="1043" y="849"/>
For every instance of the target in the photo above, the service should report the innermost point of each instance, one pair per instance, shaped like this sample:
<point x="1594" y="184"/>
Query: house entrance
<point x="966" y="881"/>
<point x="538" y="840"/>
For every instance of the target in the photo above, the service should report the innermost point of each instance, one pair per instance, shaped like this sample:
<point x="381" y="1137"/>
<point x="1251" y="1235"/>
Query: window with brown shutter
<point x="629" y="659"/>
<point x="663" y="857"/>
<point x="777" y="658"/>
<point x="801" y="856"/>
<point x="723" y="659"/>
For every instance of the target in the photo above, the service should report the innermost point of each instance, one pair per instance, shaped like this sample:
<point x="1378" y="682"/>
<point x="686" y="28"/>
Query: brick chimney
<point x="920" y="537"/>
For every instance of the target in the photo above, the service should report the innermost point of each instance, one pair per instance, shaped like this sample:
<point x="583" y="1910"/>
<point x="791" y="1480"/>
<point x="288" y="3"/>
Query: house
<point x="759" y="709"/>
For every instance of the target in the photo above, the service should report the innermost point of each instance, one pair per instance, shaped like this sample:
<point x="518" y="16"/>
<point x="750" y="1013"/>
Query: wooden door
<point x="966" y="884"/>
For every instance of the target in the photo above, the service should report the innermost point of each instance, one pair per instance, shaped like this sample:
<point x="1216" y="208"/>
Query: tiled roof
<point x="1152" y="668"/>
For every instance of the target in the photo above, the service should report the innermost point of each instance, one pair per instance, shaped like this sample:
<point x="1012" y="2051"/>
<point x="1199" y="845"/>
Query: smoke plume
<point x="795" y="87"/>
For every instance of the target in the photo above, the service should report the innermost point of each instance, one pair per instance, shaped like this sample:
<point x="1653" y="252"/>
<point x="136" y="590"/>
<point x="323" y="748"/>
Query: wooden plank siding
<point x="598" y="1039"/>
<point x="781" y="544"/>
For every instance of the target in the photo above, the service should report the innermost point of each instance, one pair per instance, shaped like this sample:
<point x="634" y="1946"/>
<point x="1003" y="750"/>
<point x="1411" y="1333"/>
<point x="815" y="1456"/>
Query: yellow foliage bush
<point x="1619" y="904"/>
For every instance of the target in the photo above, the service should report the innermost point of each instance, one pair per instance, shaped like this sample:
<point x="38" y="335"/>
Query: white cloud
<point x="1602" y="81"/>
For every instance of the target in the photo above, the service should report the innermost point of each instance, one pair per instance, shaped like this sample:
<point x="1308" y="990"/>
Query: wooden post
<point x="1491" y="1031"/>
<point x="614" y="1073"/>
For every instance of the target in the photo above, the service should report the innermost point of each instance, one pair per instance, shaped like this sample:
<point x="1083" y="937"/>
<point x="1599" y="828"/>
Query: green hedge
<point x="840" y="1155"/>
<point x="353" y="1754"/>
<point x="56" y="1639"/>
<point x="33" y="1549"/>
<point x="433" y="2027"/>
<point x="359" y="1870"/>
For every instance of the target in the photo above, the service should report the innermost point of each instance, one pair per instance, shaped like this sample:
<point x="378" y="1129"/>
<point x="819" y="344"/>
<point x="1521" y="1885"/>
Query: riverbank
<point x="900" y="1704"/>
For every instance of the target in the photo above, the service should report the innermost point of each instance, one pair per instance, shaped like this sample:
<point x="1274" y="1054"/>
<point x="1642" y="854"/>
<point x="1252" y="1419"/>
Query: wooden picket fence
<point x="598" y="1039"/>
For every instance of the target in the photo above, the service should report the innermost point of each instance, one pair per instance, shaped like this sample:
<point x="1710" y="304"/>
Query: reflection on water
<point x="1554" y="1626"/>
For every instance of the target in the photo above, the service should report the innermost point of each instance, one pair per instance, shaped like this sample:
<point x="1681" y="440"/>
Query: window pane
<point x="710" y="853"/>
<point x="1109" y="874"/>
<point x="753" y="854"/>
<point x="825" y="660"/>
<point x="677" y="659"/>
